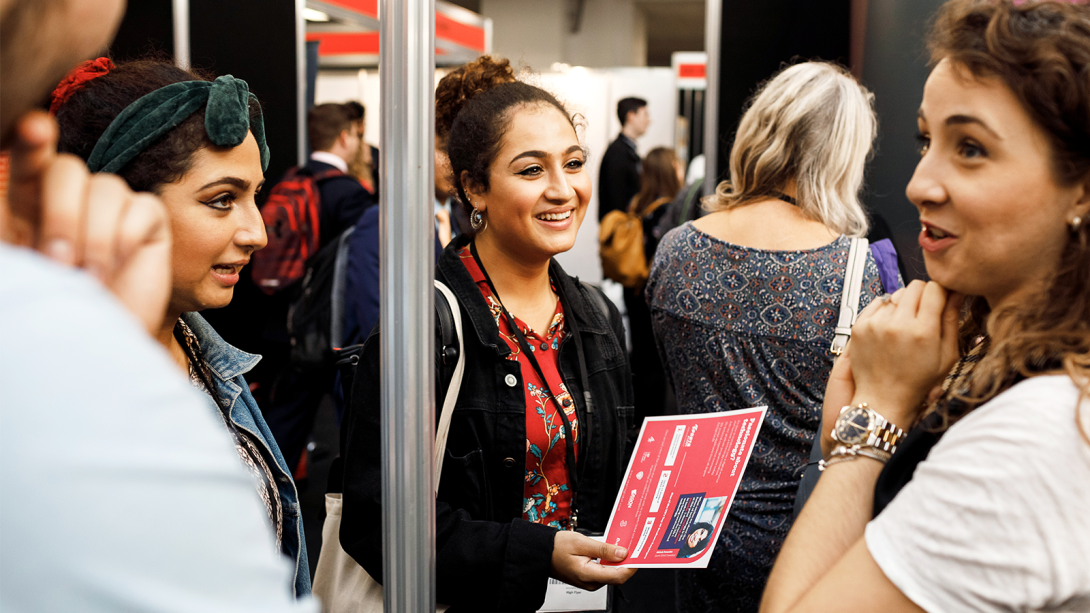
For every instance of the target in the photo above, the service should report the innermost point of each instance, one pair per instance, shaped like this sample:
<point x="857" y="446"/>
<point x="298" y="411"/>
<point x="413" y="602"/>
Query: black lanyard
<point x="569" y="447"/>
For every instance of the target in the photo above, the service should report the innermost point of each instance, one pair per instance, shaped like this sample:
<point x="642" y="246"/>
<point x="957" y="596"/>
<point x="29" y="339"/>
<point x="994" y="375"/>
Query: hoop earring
<point x="476" y="219"/>
<point x="1075" y="224"/>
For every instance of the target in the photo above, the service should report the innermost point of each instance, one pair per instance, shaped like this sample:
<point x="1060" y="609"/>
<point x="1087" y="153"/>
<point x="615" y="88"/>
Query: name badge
<point x="560" y="596"/>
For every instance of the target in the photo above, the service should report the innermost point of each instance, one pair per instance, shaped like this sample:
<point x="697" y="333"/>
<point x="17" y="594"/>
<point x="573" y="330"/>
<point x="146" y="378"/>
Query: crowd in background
<point x="937" y="461"/>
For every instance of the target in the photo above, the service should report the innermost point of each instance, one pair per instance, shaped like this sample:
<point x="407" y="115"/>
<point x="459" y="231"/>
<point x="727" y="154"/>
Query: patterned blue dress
<point x="740" y="327"/>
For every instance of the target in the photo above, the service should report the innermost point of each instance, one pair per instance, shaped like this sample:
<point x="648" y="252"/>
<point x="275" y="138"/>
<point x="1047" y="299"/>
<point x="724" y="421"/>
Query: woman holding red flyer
<point x="982" y="505"/>
<point x="538" y="432"/>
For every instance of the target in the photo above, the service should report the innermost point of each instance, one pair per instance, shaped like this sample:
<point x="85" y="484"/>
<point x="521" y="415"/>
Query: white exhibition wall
<point x="592" y="93"/>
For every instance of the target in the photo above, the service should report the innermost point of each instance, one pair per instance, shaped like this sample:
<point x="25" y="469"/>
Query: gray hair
<point x="812" y="123"/>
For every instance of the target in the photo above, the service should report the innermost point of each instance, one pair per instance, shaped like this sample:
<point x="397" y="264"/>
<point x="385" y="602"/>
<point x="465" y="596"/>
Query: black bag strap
<point x="348" y="361"/>
<point x="597" y="298"/>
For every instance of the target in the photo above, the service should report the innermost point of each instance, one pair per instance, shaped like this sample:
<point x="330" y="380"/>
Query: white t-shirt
<point x="998" y="516"/>
<point x="119" y="491"/>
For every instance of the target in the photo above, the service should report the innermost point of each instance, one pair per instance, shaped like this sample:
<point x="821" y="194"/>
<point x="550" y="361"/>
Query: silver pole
<point x="300" y="83"/>
<point x="180" y="9"/>
<point x="407" y="236"/>
<point x="713" y="28"/>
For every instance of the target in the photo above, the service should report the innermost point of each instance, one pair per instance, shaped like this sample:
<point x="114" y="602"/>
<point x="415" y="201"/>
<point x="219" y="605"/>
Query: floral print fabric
<point x="737" y="328"/>
<point x="547" y="494"/>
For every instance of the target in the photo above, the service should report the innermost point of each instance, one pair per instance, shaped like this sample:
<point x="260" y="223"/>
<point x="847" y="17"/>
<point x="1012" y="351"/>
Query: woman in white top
<point x="985" y="504"/>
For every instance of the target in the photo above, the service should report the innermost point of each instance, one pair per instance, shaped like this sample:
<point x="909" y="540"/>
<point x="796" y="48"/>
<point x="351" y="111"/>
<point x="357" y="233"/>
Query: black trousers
<point x="649" y="378"/>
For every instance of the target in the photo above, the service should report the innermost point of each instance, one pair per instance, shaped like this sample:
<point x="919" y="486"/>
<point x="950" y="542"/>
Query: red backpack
<point x="291" y="222"/>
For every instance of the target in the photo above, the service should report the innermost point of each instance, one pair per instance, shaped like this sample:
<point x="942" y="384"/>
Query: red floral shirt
<point x="547" y="494"/>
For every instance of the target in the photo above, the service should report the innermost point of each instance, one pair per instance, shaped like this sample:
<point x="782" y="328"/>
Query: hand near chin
<point x="902" y="348"/>
<point x="93" y="222"/>
<point x="573" y="561"/>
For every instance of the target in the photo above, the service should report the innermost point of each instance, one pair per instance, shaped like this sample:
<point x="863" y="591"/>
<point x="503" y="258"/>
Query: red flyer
<point x="679" y="485"/>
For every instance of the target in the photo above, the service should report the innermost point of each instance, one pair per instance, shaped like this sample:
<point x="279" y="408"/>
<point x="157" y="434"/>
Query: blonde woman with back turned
<point x="744" y="302"/>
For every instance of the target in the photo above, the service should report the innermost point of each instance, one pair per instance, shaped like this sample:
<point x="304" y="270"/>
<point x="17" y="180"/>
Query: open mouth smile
<point x="555" y="216"/>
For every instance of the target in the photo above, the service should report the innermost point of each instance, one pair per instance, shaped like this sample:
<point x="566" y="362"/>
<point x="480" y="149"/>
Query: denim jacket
<point x="228" y="364"/>
<point x="487" y="557"/>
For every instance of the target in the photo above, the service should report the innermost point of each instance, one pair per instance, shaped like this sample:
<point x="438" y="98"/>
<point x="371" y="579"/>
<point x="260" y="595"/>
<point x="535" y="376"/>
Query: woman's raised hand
<point x="902" y="347"/>
<point x="573" y="561"/>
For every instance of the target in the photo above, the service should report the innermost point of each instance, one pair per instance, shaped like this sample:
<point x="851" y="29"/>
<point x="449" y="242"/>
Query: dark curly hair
<point x="1041" y="51"/>
<point x="477" y="134"/>
<point x="462" y="84"/>
<point x="88" y="113"/>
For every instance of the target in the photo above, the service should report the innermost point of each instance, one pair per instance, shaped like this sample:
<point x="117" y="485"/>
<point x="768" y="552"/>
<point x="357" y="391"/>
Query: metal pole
<point x="713" y="28"/>
<point x="300" y="83"/>
<point x="407" y="236"/>
<point x="180" y="9"/>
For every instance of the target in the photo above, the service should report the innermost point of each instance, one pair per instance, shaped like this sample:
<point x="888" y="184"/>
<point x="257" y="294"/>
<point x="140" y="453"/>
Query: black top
<point x="618" y="177"/>
<point x="343" y="199"/>
<point x="488" y="557"/>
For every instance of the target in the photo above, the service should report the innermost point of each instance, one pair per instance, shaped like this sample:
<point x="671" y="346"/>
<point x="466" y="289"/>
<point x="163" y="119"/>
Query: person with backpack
<point x="537" y="436"/>
<point x="744" y="303"/>
<point x="307" y="213"/>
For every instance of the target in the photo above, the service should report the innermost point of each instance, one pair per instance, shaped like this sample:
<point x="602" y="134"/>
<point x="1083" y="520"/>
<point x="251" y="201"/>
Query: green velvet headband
<point x="226" y="119"/>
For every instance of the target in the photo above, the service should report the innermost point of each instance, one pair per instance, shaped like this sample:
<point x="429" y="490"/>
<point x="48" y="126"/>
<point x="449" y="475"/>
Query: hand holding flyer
<point x="680" y="483"/>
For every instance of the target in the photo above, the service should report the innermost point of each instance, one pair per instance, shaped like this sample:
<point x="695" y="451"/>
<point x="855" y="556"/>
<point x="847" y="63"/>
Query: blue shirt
<point x="118" y="488"/>
<point x="361" y="284"/>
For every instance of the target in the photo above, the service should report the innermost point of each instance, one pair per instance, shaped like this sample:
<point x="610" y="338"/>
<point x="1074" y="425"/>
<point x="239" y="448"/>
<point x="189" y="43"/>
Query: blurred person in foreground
<point x="745" y="301"/>
<point x="983" y="505"/>
<point x="114" y="475"/>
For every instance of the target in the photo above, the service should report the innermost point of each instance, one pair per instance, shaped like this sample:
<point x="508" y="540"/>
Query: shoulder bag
<point x="340" y="583"/>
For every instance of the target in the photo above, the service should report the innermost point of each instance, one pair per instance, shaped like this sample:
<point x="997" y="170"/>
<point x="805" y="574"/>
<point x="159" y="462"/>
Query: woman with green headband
<point x="200" y="146"/>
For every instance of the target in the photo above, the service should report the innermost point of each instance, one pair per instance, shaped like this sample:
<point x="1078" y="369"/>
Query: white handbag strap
<point x="849" y="299"/>
<point x="453" y="388"/>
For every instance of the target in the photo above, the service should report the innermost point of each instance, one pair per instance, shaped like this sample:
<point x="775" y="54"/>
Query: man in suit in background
<point x="335" y="137"/>
<point x="619" y="175"/>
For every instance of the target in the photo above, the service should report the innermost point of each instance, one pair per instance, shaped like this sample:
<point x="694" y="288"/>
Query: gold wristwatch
<point x="860" y="426"/>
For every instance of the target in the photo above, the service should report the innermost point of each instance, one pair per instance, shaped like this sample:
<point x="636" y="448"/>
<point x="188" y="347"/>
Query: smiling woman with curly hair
<point x="982" y="506"/>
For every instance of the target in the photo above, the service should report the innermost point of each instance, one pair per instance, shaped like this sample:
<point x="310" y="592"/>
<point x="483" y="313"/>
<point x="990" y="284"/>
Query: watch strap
<point x="884" y="435"/>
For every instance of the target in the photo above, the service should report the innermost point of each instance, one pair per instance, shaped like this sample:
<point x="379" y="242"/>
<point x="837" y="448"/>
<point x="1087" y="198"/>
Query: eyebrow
<point x="234" y="181"/>
<point x="542" y="154"/>
<point x="961" y="120"/>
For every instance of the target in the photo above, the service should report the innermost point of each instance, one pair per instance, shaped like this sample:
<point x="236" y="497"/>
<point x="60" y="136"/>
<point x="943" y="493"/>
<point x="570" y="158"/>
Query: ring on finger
<point x="886" y="298"/>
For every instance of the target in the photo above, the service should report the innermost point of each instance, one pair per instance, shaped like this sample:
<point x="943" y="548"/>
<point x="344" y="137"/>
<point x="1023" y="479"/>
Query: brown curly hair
<point x="88" y="113"/>
<point x="465" y="82"/>
<point x="1041" y="51"/>
<point x="477" y="134"/>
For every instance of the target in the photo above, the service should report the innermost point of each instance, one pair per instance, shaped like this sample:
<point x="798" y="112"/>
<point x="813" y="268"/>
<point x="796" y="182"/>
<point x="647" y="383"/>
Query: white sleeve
<point x="998" y="517"/>
<point x="119" y="490"/>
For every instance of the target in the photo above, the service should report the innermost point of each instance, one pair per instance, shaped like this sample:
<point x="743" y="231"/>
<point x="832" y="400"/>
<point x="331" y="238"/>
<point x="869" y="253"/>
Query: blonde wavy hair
<point x="812" y="123"/>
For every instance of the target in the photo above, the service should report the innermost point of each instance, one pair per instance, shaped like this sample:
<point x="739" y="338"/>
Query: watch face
<point x="853" y="426"/>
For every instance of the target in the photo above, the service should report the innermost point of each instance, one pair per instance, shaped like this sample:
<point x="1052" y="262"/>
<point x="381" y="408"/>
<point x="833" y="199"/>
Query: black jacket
<point x="343" y="199"/>
<point x="488" y="557"/>
<point x="618" y="177"/>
